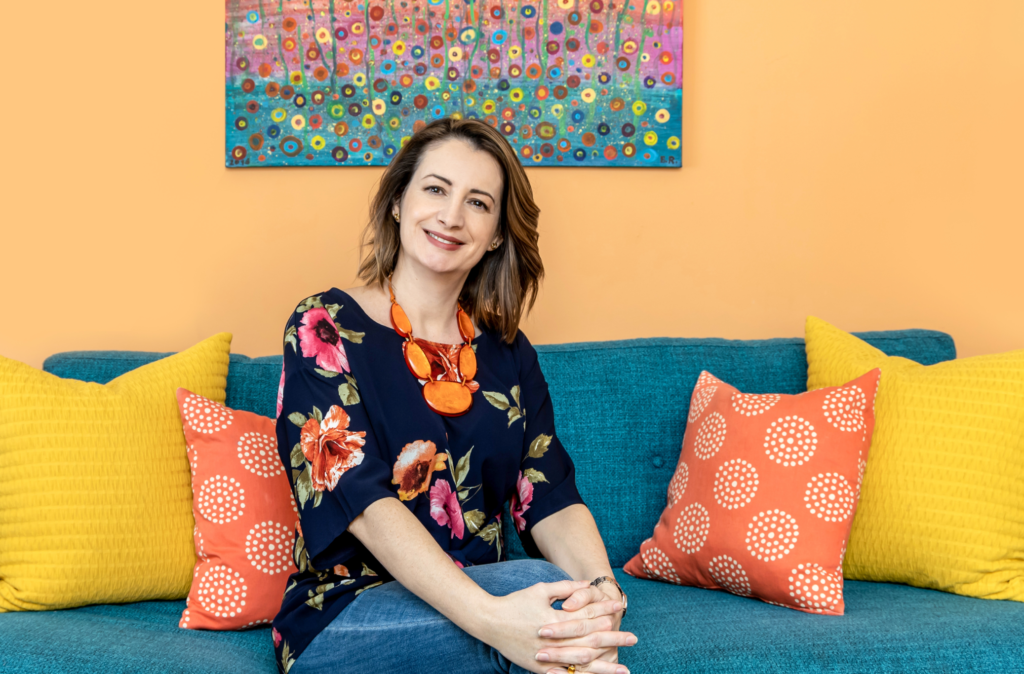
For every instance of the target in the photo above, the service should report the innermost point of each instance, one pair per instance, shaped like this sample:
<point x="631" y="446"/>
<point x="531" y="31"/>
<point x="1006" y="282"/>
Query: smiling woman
<point x="401" y="472"/>
<point x="495" y="194"/>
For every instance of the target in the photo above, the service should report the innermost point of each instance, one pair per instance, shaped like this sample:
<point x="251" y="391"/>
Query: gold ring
<point x="572" y="669"/>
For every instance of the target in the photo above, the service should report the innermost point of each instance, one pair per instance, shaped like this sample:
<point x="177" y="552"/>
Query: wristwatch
<point x="608" y="579"/>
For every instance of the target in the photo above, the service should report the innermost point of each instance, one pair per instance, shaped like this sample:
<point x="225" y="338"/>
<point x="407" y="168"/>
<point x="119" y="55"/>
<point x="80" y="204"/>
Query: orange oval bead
<point x="465" y="326"/>
<point x="447" y="397"/>
<point x="467" y="362"/>
<point x="416" y="360"/>
<point x="399" y="321"/>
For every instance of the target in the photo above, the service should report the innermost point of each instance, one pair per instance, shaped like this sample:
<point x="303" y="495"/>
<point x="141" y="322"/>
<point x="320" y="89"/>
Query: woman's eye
<point x="479" y="204"/>
<point x="434" y="189"/>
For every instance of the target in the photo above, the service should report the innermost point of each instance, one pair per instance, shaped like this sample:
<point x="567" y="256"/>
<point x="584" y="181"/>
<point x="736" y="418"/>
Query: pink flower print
<point x="445" y="508"/>
<point x="277" y="636"/>
<point x="457" y="562"/>
<point x="319" y="337"/>
<point x="280" y="394"/>
<point x="521" y="501"/>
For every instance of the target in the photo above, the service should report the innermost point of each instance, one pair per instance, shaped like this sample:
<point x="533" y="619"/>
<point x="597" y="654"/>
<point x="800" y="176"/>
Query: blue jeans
<point x="389" y="629"/>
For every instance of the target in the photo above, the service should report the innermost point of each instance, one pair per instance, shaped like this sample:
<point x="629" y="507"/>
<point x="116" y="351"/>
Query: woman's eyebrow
<point x="476" y="191"/>
<point x="449" y="182"/>
<point x="441" y="178"/>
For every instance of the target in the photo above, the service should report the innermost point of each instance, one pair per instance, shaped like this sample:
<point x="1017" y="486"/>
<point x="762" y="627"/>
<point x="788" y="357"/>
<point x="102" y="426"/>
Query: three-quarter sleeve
<point x="547" y="479"/>
<point x="336" y="466"/>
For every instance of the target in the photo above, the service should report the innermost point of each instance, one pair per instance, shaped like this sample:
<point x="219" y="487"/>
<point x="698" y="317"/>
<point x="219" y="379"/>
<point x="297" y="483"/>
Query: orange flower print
<point x="414" y="467"/>
<point x="330" y="449"/>
<point x="341" y="570"/>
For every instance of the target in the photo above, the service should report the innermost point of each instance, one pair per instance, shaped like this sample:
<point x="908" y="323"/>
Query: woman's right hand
<point x="518" y="618"/>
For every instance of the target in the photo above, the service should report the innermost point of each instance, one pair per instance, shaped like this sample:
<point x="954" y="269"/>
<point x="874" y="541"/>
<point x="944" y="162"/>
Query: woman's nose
<point x="450" y="214"/>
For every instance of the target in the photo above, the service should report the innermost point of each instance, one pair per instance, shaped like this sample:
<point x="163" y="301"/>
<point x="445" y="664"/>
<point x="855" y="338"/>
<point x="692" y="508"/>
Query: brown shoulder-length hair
<point x="503" y="286"/>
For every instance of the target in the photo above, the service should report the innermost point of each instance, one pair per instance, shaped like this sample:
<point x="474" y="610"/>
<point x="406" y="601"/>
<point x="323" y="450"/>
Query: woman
<point x="411" y="409"/>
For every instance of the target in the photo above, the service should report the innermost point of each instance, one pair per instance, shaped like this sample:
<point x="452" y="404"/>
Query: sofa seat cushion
<point x="142" y="637"/>
<point x="887" y="628"/>
<point x="892" y="628"/>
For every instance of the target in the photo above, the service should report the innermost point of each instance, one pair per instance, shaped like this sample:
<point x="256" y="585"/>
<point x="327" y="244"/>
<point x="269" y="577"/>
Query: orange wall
<point x="860" y="161"/>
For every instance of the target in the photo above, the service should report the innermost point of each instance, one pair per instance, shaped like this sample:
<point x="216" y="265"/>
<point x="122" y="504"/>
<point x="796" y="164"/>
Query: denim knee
<point x="542" y="569"/>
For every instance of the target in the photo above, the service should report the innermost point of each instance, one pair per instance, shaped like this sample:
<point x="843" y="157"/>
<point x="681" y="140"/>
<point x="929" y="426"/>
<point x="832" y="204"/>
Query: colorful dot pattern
<point x="568" y="82"/>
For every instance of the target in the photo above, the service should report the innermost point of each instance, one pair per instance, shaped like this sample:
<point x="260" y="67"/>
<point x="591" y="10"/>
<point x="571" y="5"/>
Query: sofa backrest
<point x="620" y="406"/>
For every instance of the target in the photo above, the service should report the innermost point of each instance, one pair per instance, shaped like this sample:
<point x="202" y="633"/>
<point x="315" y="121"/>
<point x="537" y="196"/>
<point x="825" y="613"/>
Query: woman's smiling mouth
<point x="442" y="242"/>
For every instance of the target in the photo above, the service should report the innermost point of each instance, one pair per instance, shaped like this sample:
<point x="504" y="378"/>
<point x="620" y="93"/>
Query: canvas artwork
<point x="568" y="82"/>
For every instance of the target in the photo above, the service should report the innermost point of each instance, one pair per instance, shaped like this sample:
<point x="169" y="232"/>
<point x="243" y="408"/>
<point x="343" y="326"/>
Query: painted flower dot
<point x="815" y="588"/>
<point x="750" y="405"/>
<point x="707" y="378"/>
<point x="222" y="591"/>
<point x="268" y="547"/>
<point x="701" y="398"/>
<point x="772" y="535"/>
<point x="830" y="497"/>
<point x="258" y="453"/>
<point x="692" y="527"/>
<point x="862" y="466"/>
<point x="185" y="617"/>
<point x="677" y="487"/>
<point x="729" y="575"/>
<point x="791" y="441"/>
<point x="844" y="408"/>
<point x="735" y="484"/>
<point x="659" y="565"/>
<point x="710" y="436"/>
<point x="221" y="499"/>
<point x="205" y="416"/>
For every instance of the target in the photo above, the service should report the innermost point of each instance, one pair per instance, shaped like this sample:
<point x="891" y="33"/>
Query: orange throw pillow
<point x="245" y="516"/>
<point x="764" y="494"/>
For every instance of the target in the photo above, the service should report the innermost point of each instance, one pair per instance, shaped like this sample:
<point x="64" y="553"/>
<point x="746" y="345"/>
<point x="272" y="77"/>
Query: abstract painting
<point x="568" y="82"/>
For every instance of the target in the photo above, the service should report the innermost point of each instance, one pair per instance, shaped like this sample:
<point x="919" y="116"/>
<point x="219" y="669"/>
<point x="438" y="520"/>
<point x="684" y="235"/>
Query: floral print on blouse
<point x="353" y="428"/>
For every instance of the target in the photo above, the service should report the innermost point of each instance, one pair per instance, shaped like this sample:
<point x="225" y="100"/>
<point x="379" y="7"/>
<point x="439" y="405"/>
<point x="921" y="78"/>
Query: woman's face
<point x="450" y="210"/>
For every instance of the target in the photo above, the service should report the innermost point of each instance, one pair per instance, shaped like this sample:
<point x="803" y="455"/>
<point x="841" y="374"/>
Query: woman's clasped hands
<point x="584" y="633"/>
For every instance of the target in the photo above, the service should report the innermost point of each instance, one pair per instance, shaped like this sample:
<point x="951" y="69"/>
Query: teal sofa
<point x="621" y="412"/>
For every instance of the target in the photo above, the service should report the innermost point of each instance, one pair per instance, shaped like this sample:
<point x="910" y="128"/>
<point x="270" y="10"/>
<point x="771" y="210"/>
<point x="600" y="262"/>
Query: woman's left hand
<point x="571" y="643"/>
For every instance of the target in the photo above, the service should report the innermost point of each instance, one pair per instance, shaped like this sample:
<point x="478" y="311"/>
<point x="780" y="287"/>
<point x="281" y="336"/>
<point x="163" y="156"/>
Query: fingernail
<point x="632" y="640"/>
<point x="621" y="670"/>
<point x="543" y="657"/>
<point x="546" y="632"/>
<point x="617" y="606"/>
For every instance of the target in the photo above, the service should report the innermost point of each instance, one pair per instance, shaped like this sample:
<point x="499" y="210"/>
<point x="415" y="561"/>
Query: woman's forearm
<point x="570" y="540"/>
<point x="399" y="541"/>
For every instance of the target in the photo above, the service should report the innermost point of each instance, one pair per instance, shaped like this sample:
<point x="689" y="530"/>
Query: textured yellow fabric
<point x="95" y="489"/>
<point x="942" y="503"/>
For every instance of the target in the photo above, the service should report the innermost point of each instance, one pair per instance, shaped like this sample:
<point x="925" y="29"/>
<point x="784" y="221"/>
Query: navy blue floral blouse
<point x="353" y="428"/>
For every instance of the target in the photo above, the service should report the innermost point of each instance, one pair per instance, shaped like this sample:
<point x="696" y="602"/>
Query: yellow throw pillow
<point x="942" y="503"/>
<point x="95" y="488"/>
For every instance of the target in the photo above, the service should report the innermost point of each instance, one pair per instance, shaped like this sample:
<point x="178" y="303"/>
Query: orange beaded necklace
<point x="450" y="392"/>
